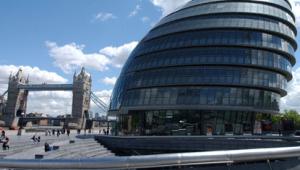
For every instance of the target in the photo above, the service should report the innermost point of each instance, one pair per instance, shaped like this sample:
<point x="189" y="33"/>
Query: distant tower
<point x="81" y="97"/>
<point x="97" y="115"/>
<point x="16" y="99"/>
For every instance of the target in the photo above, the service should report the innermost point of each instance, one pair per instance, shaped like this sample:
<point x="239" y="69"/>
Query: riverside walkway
<point x="84" y="152"/>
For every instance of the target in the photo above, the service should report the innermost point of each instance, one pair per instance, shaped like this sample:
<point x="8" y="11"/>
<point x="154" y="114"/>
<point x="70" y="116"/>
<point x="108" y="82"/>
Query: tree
<point x="276" y="118"/>
<point x="289" y="115"/>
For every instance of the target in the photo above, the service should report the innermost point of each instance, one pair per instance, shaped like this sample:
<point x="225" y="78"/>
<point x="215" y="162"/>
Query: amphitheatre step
<point x="74" y="151"/>
<point x="30" y="153"/>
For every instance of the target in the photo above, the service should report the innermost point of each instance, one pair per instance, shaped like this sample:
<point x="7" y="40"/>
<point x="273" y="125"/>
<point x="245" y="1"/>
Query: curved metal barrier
<point x="156" y="161"/>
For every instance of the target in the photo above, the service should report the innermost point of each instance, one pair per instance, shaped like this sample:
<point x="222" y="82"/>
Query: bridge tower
<point x="81" y="97"/>
<point x="16" y="99"/>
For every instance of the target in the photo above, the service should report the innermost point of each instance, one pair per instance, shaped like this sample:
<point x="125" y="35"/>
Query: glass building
<point x="208" y="69"/>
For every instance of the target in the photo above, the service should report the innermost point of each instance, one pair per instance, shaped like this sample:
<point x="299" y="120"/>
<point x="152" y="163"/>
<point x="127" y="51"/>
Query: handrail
<point x="218" y="137"/>
<point x="155" y="161"/>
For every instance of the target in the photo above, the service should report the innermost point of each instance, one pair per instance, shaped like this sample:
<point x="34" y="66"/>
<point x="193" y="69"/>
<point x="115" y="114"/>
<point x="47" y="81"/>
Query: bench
<point x="38" y="156"/>
<point x="55" y="148"/>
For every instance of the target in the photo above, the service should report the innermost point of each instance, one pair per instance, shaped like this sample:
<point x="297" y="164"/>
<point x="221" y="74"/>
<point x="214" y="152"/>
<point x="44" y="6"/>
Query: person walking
<point x="58" y="132"/>
<point x="38" y="139"/>
<point x="19" y="131"/>
<point x="68" y="132"/>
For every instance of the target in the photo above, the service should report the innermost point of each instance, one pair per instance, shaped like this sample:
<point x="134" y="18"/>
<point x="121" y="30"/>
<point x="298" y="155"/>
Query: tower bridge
<point x="19" y="88"/>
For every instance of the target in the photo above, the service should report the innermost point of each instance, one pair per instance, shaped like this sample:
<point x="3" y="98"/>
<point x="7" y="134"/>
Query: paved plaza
<point x="23" y="147"/>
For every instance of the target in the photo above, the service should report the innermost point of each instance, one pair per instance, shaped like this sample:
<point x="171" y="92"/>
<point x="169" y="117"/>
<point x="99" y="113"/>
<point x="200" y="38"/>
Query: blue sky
<point x="27" y="25"/>
<point x="46" y="36"/>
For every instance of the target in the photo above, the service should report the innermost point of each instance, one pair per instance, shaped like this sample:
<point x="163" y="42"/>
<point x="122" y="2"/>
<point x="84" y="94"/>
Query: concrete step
<point x="14" y="150"/>
<point x="62" y="154"/>
<point x="99" y="155"/>
<point x="78" y="146"/>
<point x="30" y="142"/>
<point x="73" y="149"/>
<point x="24" y="146"/>
<point x="30" y="153"/>
<point x="105" y="155"/>
<point x="87" y="154"/>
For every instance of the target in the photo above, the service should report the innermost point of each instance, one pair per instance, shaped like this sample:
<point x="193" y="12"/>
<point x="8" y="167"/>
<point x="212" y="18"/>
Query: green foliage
<point x="276" y="118"/>
<point x="289" y="115"/>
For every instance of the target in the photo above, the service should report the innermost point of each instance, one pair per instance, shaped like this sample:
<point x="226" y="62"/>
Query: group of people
<point x="105" y="132"/>
<point x="4" y="140"/>
<point x="58" y="132"/>
<point x="36" y="139"/>
<point x="101" y="131"/>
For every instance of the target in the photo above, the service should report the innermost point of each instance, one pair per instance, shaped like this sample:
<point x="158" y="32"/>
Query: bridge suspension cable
<point x="4" y="94"/>
<point x="103" y="106"/>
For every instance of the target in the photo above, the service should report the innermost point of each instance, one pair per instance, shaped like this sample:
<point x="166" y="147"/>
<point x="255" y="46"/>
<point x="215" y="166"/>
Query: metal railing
<point x="272" y="137"/>
<point x="158" y="161"/>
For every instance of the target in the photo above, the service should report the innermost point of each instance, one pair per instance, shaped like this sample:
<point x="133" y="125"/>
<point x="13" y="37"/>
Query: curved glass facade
<point x="232" y="7"/>
<point x="201" y="97"/>
<point x="216" y="38"/>
<point x="227" y="21"/>
<point x="280" y="3"/>
<point x="207" y="76"/>
<point x="213" y="56"/>
<point x="208" y="68"/>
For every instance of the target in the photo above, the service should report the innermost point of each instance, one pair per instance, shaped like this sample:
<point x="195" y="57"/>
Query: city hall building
<point x="208" y="68"/>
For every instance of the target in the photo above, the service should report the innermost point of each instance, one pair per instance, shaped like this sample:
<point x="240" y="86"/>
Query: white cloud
<point x="109" y="80"/>
<point x="57" y="103"/>
<point x="71" y="56"/>
<point x="119" y="55"/>
<point x="104" y="95"/>
<point x="35" y="74"/>
<point x="292" y="100"/>
<point x="135" y="11"/>
<point x="296" y="9"/>
<point x="104" y="16"/>
<point x="145" y="19"/>
<point x="48" y="102"/>
<point x="168" y="6"/>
